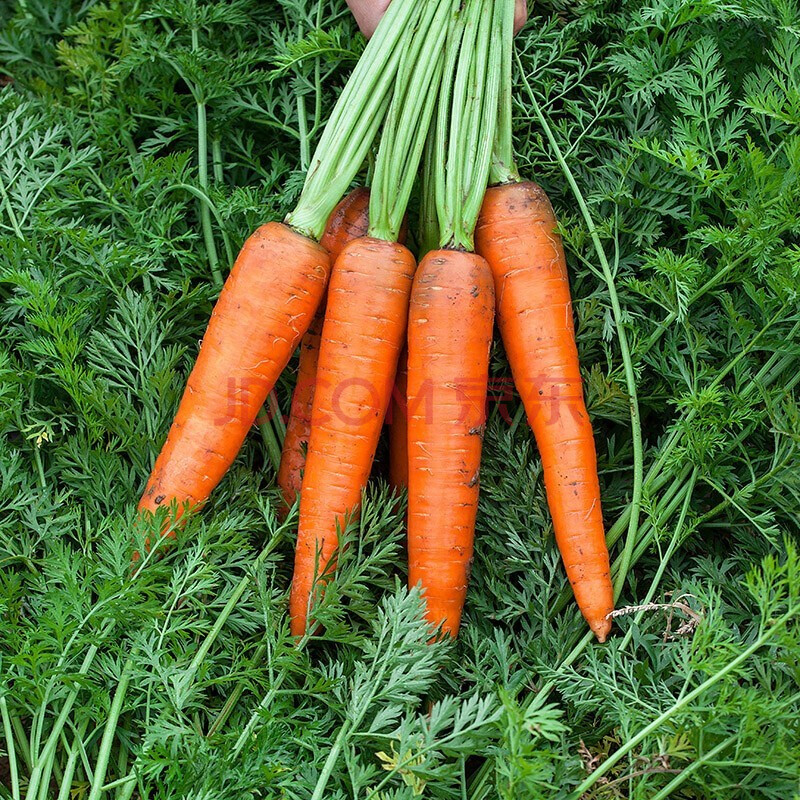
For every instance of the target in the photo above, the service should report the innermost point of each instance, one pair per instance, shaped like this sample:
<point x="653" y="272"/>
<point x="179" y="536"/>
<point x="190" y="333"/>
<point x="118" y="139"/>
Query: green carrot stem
<point x="458" y="124"/>
<point x="485" y="120"/>
<point x="13" y="773"/>
<point x="408" y="120"/>
<point x="109" y="731"/>
<point x="428" y="232"/>
<point x="444" y="196"/>
<point x="41" y="772"/>
<point x="354" y="121"/>
<point x="503" y="166"/>
<point x="466" y="121"/>
<point x="72" y="760"/>
<point x="476" y="86"/>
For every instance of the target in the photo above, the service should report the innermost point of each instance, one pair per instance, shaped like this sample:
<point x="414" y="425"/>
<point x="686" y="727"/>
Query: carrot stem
<point x="483" y="117"/>
<point x="13" y="773"/>
<point x="676" y="538"/>
<point x="466" y="122"/>
<point x="476" y="86"/>
<point x="270" y="439"/>
<point x="458" y="111"/>
<point x="503" y="167"/>
<point x="354" y="121"/>
<point x="202" y="174"/>
<point x="444" y="194"/>
<point x="408" y="120"/>
<point x="428" y="233"/>
<point x="109" y="732"/>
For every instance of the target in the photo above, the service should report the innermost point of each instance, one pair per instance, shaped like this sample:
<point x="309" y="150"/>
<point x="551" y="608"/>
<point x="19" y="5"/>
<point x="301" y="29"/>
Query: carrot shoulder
<point x="348" y="221"/>
<point x="516" y="233"/>
<point x="265" y="307"/>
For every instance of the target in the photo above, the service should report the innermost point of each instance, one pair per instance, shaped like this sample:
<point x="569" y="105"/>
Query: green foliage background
<point x="140" y="142"/>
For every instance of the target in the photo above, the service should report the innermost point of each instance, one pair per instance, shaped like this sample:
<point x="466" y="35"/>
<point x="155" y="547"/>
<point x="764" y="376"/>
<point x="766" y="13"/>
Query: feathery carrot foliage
<point x="139" y="144"/>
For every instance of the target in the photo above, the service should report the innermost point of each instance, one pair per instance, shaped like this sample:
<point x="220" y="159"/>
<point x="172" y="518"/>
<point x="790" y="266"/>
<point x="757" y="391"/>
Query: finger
<point x="368" y="14"/>
<point x="520" y="15"/>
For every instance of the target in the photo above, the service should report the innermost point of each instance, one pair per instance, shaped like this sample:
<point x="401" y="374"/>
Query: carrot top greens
<point x="678" y="125"/>
<point x="465" y="121"/>
<point x="428" y="227"/>
<point x="405" y="130"/>
<point x="355" y="119"/>
<point x="503" y="167"/>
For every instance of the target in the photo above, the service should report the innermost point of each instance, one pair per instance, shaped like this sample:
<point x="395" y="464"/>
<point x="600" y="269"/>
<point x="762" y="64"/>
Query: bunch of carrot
<point x="339" y="282"/>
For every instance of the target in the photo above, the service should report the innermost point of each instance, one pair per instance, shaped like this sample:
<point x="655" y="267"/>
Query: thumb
<point x="368" y="14"/>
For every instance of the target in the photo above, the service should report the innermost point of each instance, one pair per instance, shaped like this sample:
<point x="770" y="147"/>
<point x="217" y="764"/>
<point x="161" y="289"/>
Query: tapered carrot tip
<point x="449" y="338"/>
<point x="601" y="629"/>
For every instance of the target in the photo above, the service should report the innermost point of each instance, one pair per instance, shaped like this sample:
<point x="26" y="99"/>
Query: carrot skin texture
<point x="348" y="221"/>
<point x="449" y="337"/>
<point x="364" y="331"/>
<point x="265" y="307"/>
<point x="398" y="428"/>
<point x="516" y="234"/>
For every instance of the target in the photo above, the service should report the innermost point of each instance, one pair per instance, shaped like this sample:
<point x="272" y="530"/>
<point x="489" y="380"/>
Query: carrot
<point x="398" y="429"/>
<point x="450" y="330"/>
<point x="266" y="305"/>
<point x="449" y="336"/>
<point x="365" y="324"/>
<point x="298" y="426"/>
<point x="348" y="221"/>
<point x="517" y="234"/>
<point x="428" y="239"/>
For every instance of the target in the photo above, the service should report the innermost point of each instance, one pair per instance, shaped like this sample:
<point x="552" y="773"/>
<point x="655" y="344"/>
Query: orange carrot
<point x="398" y="429"/>
<point x="450" y="327"/>
<point x="275" y="287"/>
<point x="365" y="320"/>
<point x="348" y="221"/>
<point x="449" y="336"/>
<point x="265" y="307"/>
<point x="298" y="426"/>
<point x="365" y="325"/>
<point x="516" y="234"/>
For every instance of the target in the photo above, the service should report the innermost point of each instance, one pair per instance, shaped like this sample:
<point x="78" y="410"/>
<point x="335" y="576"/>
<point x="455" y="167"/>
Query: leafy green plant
<point x="139" y="144"/>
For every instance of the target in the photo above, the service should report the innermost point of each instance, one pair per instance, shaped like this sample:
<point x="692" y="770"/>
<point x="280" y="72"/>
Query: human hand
<point x="369" y="12"/>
